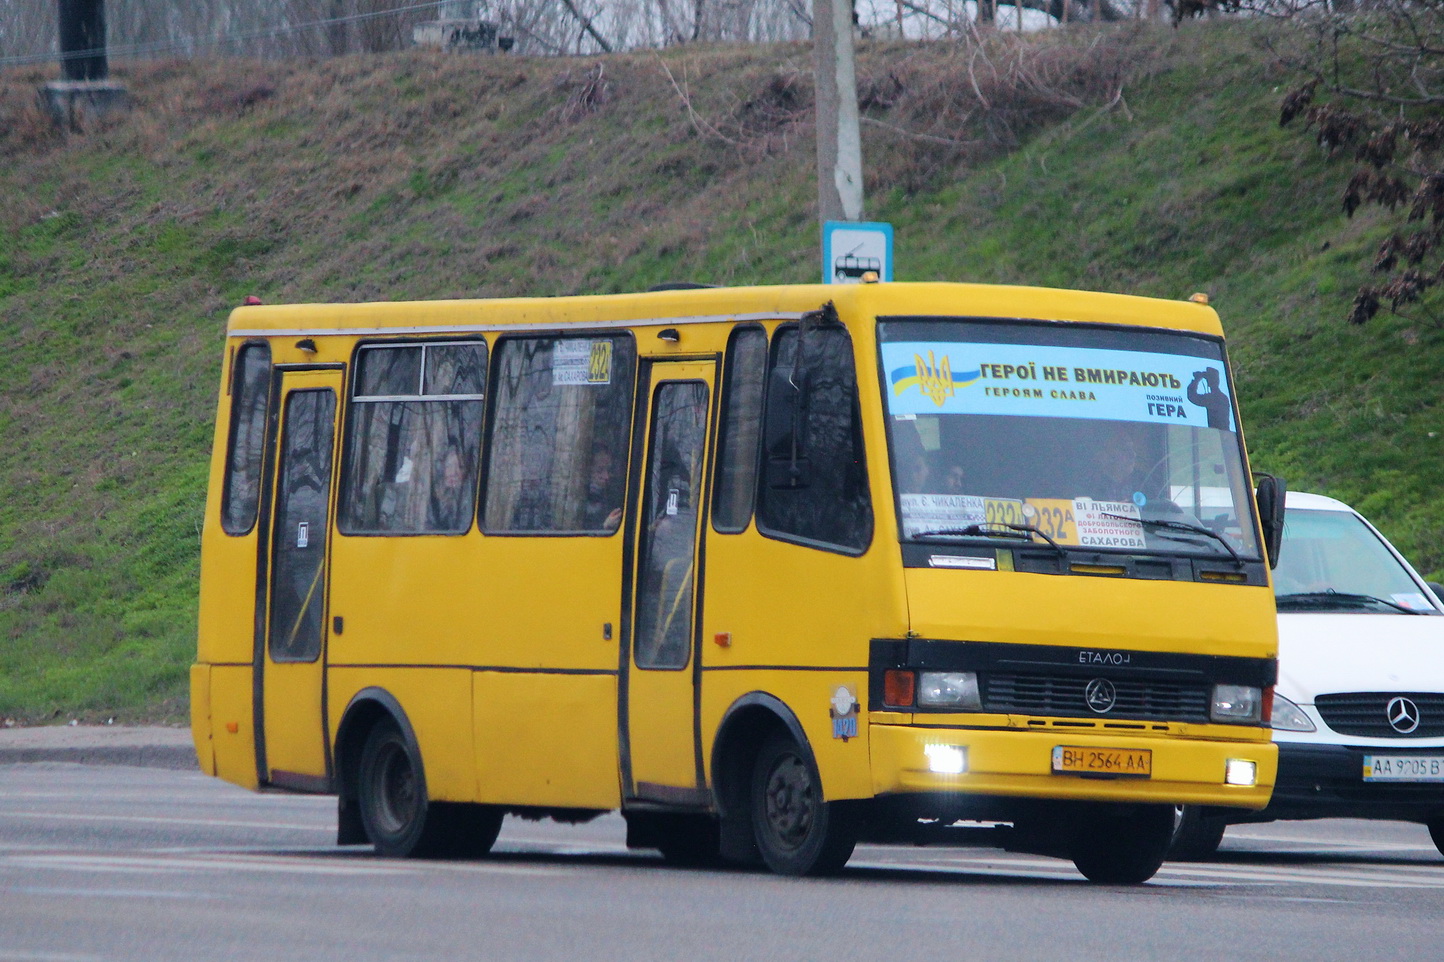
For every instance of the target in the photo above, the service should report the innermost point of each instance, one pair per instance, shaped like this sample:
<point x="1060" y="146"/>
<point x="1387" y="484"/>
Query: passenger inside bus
<point x="603" y="510"/>
<point x="1113" y="465"/>
<point x="450" y="502"/>
<point x="925" y="470"/>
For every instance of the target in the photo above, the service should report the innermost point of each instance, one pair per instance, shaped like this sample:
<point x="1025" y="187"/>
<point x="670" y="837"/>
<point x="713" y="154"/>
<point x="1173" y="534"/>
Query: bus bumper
<point x="1007" y="762"/>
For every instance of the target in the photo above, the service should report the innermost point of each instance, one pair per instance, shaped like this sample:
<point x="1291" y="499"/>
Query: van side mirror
<point x="1437" y="588"/>
<point x="1270" y="499"/>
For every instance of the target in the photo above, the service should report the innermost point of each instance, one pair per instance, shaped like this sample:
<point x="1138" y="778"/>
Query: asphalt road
<point x="120" y="863"/>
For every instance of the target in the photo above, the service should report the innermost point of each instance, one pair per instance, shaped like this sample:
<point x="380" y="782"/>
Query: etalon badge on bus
<point x="844" y="713"/>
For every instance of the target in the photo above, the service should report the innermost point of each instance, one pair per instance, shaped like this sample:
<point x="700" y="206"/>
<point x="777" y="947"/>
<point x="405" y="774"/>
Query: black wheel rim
<point x="790" y="808"/>
<point x="396" y="790"/>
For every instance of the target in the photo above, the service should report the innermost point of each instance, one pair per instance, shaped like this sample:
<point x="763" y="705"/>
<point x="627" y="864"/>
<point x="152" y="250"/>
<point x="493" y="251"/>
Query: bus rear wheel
<point x="1123" y="846"/>
<point x="797" y="832"/>
<point x="398" y="817"/>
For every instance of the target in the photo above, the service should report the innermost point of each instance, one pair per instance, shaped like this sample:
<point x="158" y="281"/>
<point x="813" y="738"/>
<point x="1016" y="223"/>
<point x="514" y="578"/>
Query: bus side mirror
<point x="1270" y="499"/>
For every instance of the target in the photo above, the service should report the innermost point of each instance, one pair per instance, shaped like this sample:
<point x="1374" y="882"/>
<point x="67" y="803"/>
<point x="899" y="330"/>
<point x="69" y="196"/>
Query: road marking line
<point x="1325" y="843"/>
<point x="1171" y="873"/>
<point x="156" y="820"/>
<point x="287" y="865"/>
<point x="1383" y="877"/>
<point x="144" y="864"/>
<point x="109" y="893"/>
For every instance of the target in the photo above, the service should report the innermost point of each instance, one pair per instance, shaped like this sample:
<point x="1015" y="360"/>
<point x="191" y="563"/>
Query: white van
<point x="1358" y="713"/>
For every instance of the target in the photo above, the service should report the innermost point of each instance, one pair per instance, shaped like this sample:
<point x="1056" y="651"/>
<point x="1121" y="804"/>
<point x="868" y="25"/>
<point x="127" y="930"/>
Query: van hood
<point x="1323" y="653"/>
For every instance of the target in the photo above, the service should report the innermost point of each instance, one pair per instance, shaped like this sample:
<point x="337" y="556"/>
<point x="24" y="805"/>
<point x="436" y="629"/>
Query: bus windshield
<point x="1107" y="438"/>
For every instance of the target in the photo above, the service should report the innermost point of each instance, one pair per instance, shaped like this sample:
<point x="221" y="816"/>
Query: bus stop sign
<point x="851" y="249"/>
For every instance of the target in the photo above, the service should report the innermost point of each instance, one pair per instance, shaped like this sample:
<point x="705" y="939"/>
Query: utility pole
<point x="839" y="143"/>
<point x="82" y="40"/>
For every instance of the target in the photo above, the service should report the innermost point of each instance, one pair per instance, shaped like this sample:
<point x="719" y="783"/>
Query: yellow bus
<point x="769" y="570"/>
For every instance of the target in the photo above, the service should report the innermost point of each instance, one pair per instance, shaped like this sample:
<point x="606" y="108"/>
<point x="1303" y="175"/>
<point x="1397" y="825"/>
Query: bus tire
<point x="1125" y="846"/>
<point x="1436" y="832"/>
<point x="399" y="819"/>
<point x="465" y="831"/>
<point x="797" y="832"/>
<point x="1197" y="836"/>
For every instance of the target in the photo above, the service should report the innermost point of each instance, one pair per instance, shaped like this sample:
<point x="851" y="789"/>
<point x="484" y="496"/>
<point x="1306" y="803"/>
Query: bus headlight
<point x="949" y="689"/>
<point x="1236" y="704"/>
<point x="1289" y="717"/>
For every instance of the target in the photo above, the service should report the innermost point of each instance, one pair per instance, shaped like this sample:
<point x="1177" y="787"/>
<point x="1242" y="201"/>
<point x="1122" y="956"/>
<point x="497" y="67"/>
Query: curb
<point x="177" y="757"/>
<point x="138" y="747"/>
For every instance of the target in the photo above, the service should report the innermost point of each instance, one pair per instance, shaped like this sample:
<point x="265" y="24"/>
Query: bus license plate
<point x="1121" y="762"/>
<point x="1404" y="768"/>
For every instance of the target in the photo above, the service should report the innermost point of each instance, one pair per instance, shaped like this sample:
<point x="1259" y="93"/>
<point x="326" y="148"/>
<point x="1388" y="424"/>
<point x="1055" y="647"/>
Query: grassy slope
<point x="425" y="176"/>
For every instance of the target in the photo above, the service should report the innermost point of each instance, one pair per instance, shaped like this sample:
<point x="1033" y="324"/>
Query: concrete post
<point x="839" y="142"/>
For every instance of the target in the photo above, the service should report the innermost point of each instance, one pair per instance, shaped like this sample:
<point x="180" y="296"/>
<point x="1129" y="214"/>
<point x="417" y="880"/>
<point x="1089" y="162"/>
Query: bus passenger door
<point x="291" y="648"/>
<point x="661" y="750"/>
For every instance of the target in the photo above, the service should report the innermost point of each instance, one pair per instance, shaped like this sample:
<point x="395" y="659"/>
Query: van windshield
<point x="1333" y="561"/>
<point x="1096" y="437"/>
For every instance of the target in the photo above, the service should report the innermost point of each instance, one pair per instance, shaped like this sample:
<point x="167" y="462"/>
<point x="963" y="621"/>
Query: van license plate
<point x="1121" y="762"/>
<point x="1403" y="768"/>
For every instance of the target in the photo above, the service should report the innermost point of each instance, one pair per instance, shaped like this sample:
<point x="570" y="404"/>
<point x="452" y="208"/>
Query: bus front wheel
<point x="398" y="817"/>
<point x="1196" y="836"/>
<point x="1436" y="832"/>
<point x="797" y="832"/>
<point x="1125" y="846"/>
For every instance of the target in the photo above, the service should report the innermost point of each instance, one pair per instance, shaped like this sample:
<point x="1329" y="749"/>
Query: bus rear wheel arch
<point x="391" y="794"/>
<point x="383" y="797"/>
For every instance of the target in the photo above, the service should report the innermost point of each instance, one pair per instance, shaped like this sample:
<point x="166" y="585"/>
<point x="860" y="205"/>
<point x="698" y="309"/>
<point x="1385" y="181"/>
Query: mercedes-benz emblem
<point x="1403" y="715"/>
<point x="1100" y="695"/>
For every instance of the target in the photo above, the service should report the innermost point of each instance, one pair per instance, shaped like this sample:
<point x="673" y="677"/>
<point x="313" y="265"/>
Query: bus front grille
<point x="1067" y="695"/>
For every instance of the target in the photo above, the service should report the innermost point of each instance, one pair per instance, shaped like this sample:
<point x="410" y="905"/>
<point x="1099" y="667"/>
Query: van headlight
<point x="949" y="689"/>
<point x="1289" y="717"/>
<point x="1236" y="704"/>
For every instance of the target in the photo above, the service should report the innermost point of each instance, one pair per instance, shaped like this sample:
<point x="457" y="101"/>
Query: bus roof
<point x="714" y="304"/>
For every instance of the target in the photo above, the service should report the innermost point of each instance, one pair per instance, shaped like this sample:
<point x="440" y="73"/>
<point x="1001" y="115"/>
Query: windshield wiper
<point x="1183" y="526"/>
<point x="986" y="530"/>
<point x="1331" y="598"/>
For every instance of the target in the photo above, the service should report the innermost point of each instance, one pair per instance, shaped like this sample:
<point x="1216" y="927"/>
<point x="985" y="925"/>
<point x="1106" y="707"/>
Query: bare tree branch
<point x="586" y="23"/>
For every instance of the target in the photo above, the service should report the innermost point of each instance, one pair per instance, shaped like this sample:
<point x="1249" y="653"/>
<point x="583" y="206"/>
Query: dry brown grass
<point x="930" y="108"/>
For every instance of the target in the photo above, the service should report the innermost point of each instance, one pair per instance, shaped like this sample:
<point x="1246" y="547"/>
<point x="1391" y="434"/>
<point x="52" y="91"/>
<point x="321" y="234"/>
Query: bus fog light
<point x="946" y="759"/>
<point x="948" y="689"/>
<point x="1240" y="771"/>
<point x="1236" y="703"/>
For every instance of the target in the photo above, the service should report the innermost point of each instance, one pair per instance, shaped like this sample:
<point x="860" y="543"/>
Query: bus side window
<point x="814" y="483"/>
<point x="745" y="378"/>
<point x="250" y="397"/>
<point x="413" y="439"/>
<point x="560" y="429"/>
